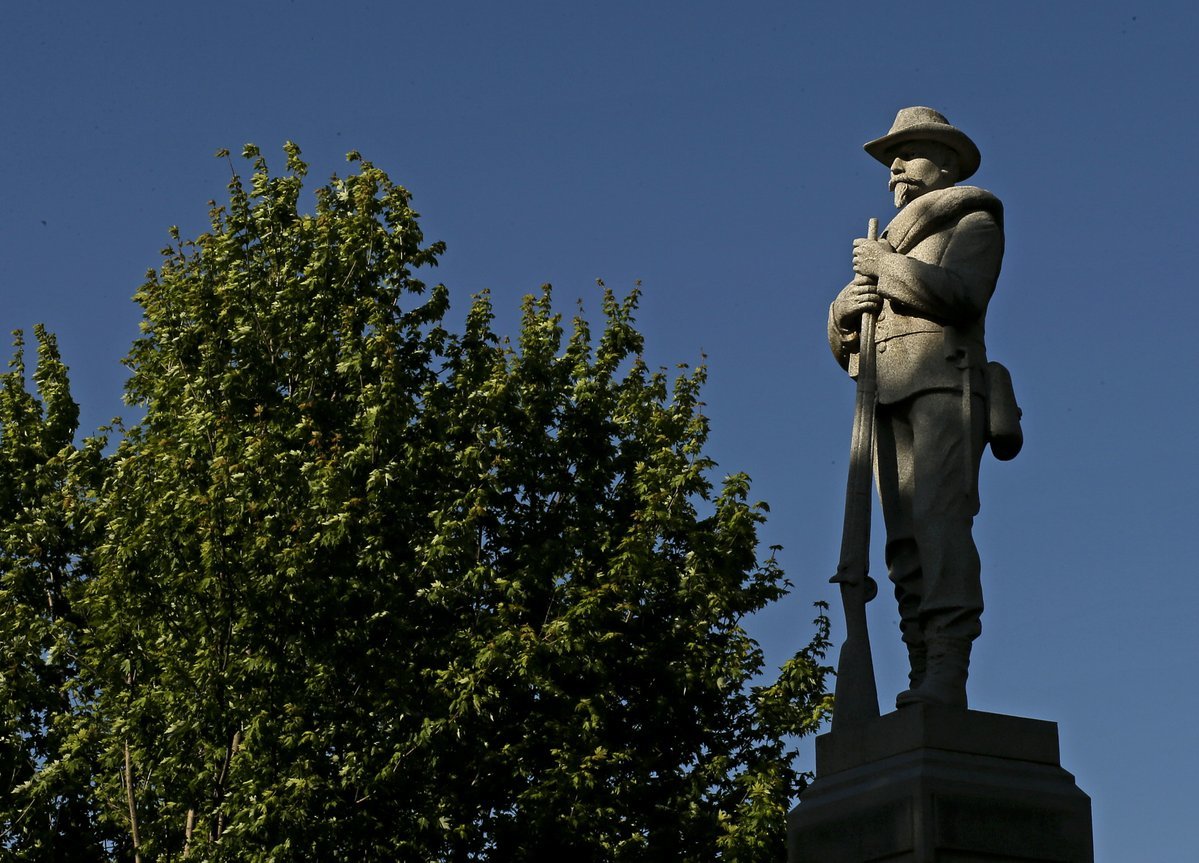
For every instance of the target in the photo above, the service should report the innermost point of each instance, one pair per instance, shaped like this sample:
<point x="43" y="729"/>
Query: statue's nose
<point x="897" y="166"/>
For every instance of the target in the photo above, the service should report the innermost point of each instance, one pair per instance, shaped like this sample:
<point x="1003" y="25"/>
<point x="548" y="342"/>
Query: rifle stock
<point x="856" y="696"/>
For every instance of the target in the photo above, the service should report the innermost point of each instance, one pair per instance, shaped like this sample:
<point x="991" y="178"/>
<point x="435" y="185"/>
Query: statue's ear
<point x="951" y="165"/>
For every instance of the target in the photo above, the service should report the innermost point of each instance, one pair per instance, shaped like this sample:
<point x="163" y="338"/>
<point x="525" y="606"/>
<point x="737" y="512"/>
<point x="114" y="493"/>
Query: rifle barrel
<point x="856" y="696"/>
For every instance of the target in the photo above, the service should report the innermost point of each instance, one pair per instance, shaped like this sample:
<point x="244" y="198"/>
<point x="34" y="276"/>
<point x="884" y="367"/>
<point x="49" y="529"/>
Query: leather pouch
<point x="1003" y="414"/>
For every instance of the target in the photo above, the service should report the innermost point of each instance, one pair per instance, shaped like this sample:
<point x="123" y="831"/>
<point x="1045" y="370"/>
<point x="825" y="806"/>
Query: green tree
<point x="364" y="589"/>
<point x="46" y="812"/>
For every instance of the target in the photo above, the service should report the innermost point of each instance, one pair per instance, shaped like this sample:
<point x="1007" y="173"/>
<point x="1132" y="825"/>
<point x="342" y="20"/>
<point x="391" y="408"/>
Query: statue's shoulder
<point x="940" y="211"/>
<point x="958" y="201"/>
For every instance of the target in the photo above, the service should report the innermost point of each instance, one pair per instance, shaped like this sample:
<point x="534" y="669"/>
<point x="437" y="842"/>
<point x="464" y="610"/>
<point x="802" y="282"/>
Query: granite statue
<point x="919" y="294"/>
<point x="932" y="780"/>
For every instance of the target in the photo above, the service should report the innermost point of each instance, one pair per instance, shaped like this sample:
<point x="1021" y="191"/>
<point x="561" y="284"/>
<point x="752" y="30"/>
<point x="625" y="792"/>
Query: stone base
<point x="928" y="783"/>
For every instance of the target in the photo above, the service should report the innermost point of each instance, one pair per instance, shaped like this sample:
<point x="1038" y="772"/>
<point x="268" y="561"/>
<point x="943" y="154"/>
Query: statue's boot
<point x="944" y="680"/>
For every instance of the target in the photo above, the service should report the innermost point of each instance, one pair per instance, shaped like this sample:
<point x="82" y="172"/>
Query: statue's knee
<point x="902" y="554"/>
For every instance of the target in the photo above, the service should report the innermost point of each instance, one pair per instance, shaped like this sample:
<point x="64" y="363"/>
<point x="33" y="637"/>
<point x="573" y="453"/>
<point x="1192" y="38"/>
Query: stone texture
<point x="915" y="314"/>
<point x="930" y="783"/>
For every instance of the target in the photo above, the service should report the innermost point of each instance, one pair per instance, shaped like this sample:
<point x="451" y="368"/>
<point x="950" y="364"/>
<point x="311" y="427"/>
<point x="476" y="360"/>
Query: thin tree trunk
<point x="137" y="845"/>
<point x="188" y="827"/>
<point x="230" y="751"/>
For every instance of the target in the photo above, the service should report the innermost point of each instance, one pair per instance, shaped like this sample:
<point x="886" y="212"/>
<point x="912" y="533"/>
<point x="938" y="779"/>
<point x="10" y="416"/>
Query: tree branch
<point x="137" y="854"/>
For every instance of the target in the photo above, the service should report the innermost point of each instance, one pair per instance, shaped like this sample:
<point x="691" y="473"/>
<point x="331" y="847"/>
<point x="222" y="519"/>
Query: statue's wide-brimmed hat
<point x="925" y="124"/>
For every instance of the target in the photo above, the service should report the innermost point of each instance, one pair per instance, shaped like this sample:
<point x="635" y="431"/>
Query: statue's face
<point x="919" y="167"/>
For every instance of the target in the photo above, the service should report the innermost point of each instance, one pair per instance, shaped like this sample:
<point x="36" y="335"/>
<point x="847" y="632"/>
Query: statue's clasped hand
<point x="860" y="295"/>
<point x="868" y="255"/>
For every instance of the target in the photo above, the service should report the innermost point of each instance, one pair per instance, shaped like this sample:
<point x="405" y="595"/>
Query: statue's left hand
<point x="867" y="255"/>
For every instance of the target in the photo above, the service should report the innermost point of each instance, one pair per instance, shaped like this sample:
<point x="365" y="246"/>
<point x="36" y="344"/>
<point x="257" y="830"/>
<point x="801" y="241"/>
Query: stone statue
<point x="928" y="281"/>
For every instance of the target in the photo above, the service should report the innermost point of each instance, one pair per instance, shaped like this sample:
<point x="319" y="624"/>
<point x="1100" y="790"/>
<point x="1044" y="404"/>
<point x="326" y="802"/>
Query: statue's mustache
<point x="896" y="181"/>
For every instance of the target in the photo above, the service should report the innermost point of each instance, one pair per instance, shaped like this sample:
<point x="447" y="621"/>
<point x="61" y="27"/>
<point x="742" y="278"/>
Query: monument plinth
<point x="933" y="783"/>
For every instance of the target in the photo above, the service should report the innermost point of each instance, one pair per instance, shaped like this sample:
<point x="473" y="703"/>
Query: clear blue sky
<point x="713" y="151"/>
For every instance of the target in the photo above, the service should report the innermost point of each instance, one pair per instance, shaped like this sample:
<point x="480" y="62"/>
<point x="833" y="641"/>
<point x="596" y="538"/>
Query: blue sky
<point x="714" y="152"/>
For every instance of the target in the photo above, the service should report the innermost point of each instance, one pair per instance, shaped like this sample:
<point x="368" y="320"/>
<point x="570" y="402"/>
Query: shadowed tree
<point x="365" y="589"/>
<point x="46" y="810"/>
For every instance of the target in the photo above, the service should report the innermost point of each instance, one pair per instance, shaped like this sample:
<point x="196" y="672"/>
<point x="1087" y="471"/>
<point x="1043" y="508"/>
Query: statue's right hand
<point x="859" y="296"/>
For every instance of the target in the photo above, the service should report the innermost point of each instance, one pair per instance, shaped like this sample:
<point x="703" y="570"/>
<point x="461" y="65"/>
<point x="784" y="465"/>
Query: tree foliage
<point x="358" y="587"/>
<point x="46" y="812"/>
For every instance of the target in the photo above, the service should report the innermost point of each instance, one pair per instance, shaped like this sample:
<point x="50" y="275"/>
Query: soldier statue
<point x="928" y="280"/>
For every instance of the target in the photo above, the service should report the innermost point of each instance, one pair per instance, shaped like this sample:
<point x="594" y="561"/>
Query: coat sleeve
<point x="843" y="344"/>
<point x="955" y="290"/>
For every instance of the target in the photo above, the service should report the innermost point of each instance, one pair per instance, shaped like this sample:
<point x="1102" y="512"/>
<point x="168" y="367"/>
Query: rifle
<point x="856" y="696"/>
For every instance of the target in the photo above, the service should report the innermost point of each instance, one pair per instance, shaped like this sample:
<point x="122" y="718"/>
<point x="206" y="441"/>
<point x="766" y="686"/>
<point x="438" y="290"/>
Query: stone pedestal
<point x="940" y="784"/>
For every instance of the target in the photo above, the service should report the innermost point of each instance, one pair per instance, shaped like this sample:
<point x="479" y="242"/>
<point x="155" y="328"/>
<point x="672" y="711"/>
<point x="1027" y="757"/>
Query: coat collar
<point x="929" y="213"/>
